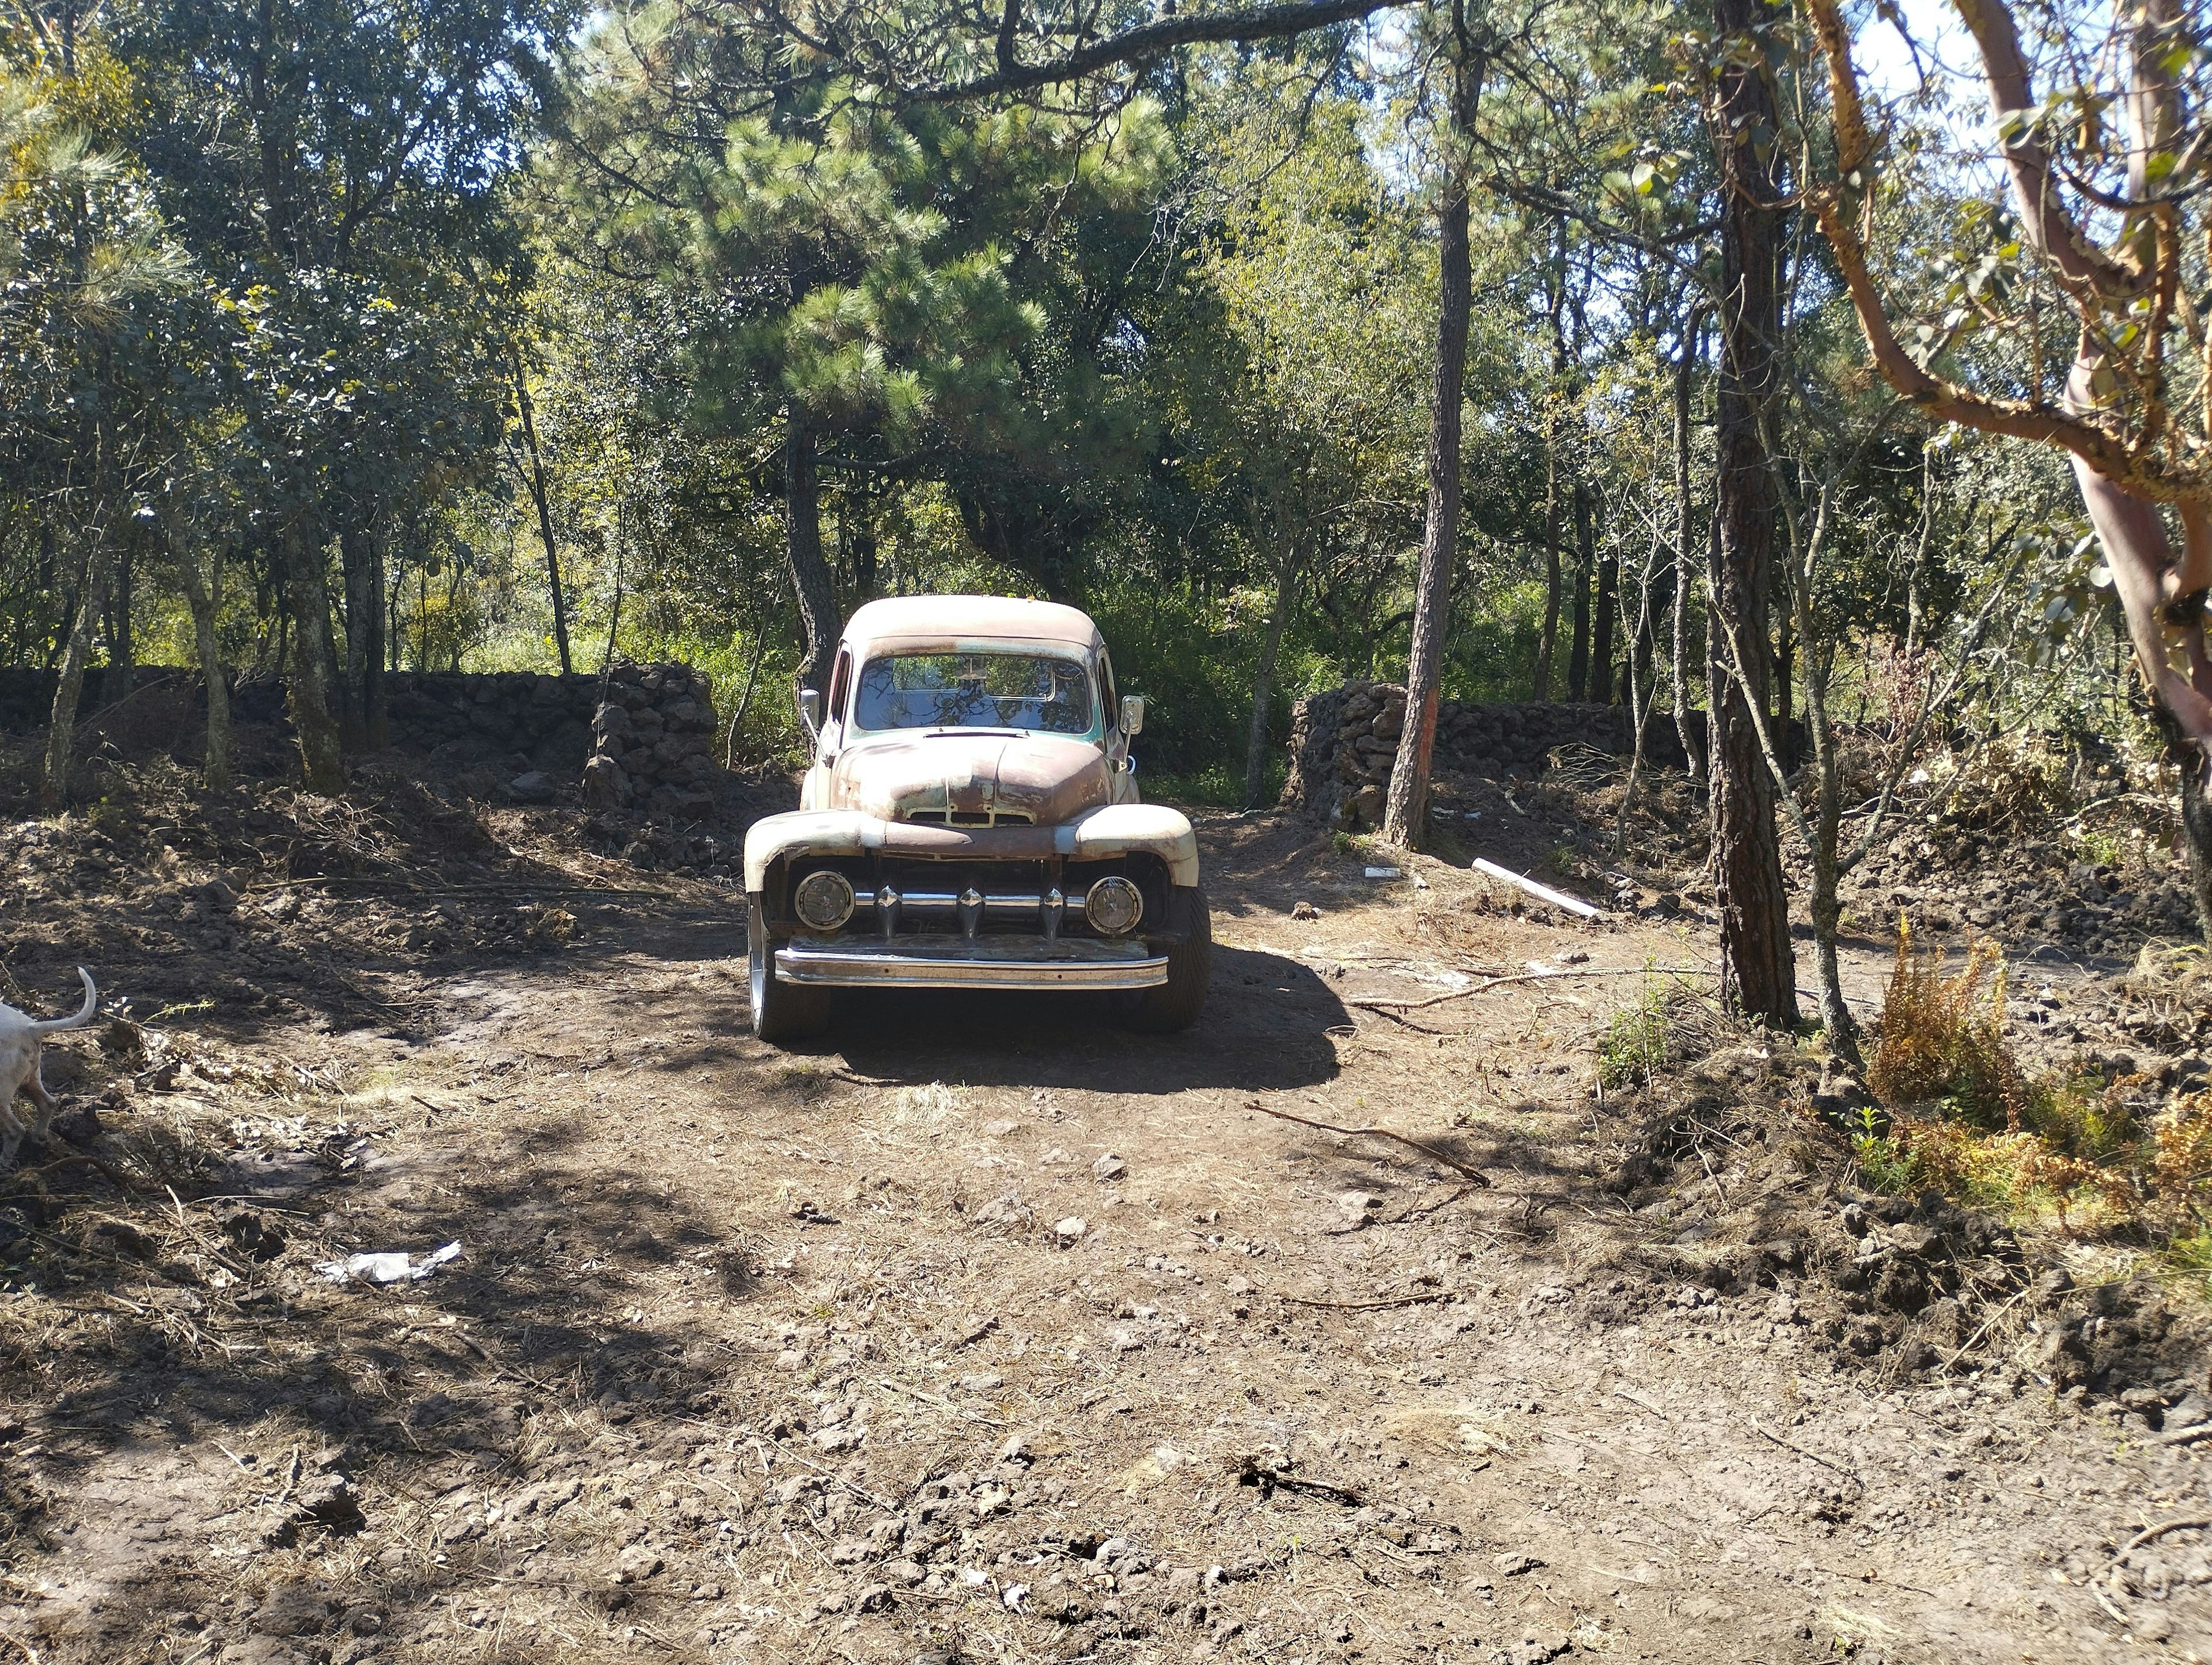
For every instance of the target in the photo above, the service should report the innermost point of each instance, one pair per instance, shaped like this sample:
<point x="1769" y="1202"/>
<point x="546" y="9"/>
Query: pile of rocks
<point x="1344" y="741"/>
<point x="652" y="743"/>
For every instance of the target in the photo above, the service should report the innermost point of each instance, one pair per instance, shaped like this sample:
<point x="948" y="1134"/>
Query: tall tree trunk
<point x="856" y="542"/>
<point x="1263" y="674"/>
<point x="810" y="572"/>
<point x="2188" y="760"/>
<point x="540" y="497"/>
<point x="361" y="554"/>
<point x="1609" y="606"/>
<point x="1547" y="644"/>
<point x="322" y="766"/>
<point x="1759" y="970"/>
<point x="61" y="729"/>
<point x="1693" y="753"/>
<point x="1406" y="812"/>
<point x="204" y="596"/>
<point x="1579" y="654"/>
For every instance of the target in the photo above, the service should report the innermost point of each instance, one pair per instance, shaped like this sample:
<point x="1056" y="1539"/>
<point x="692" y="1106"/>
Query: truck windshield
<point x="1040" y="692"/>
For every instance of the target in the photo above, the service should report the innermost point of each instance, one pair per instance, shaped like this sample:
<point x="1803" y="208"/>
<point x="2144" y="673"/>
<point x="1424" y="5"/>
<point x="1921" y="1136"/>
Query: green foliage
<point x="1643" y="1038"/>
<point x="1162" y="351"/>
<point x="1885" y="1162"/>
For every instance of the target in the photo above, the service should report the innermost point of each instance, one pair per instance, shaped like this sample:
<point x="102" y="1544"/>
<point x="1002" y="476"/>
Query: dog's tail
<point x="84" y="1013"/>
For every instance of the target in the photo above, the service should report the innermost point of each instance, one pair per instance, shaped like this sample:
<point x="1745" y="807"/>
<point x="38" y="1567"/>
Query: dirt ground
<point x="987" y="1329"/>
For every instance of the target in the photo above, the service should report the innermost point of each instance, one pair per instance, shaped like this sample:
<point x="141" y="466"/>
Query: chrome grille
<point x="971" y="817"/>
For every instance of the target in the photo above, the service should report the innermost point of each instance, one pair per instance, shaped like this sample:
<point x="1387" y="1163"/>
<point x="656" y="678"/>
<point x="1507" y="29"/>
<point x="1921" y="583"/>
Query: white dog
<point x="22" y="1040"/>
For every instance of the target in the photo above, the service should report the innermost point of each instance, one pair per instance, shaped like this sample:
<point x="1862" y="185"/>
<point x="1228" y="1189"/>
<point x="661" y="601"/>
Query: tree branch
<point x="1149" y="39"/>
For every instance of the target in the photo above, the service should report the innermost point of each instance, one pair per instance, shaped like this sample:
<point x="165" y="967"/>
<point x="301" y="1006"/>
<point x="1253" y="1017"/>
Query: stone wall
<point x="648" y="746"/>
<point x="1344" y="741"/>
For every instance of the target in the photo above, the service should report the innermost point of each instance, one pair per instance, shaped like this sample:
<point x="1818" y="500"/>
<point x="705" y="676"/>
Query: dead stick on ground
<point x="2184" y="1435"/>
<point x="1489" y="983"/>
<point x="1369" y="1306"/>
<point x="2159" y="1531"/>
<point x="1968" y="1346"/>
<point x="1429" y="1150"/>
<point x="1813" y="1456"/>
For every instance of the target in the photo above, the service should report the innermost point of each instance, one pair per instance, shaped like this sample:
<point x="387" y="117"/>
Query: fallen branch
<point x="1489" y="983"/>
<point x="2159" y="1531"/>
<point x="1968" y="1346"/>
<point x="1574" y="905"/>
<point x="1374" y="1306"/>
<point x="1252" y="1471"/>
<point x="2184" y="1435"/>
<point x="1811" y="1456"/>
<point x="1430" y="1150"/>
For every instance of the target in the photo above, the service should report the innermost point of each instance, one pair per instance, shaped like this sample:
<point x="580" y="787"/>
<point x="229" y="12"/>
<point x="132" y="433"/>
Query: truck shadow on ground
<point x="1269" y="1024"/>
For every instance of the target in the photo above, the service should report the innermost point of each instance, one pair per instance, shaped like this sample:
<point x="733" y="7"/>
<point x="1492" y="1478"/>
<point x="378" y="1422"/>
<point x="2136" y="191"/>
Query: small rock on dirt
<point x="1109" y="1167"/>
<point x="1071" y="1229"/>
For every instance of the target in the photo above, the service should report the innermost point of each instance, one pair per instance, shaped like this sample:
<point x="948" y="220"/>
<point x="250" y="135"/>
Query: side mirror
<point x="1133" y="714"/>
<point x="810" y="710"/>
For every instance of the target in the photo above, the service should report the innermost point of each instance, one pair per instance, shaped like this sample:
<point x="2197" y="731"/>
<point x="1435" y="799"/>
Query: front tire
<point x="1168" y="1007"/>
<point x="782" y="1012"/>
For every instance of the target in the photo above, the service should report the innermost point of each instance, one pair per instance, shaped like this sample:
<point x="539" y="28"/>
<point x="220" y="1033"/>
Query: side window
<point x="1106" y="692"/>
<point x="841" y="683"/>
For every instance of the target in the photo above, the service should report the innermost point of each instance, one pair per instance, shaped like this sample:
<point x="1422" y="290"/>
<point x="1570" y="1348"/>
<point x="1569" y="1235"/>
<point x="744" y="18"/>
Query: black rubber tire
<point x="1166" y="1008"/>
<point x="781" y="1011"/>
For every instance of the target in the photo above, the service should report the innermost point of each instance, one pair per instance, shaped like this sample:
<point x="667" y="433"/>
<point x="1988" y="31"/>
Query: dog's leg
<point x="42" y="1123"/>
<point x="11" y="1133"/>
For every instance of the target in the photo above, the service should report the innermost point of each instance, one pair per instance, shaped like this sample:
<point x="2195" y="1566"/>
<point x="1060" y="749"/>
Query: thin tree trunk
<point x="1693" y="753"/>
<point x="810" y="572"/>
<point x="1579" y="653"/>
<point x="1263" y="675"/>
<point x="745" y="700"/>
<point x="541" y="498"/>
<point x="614" y="612"/>
<point x="61" y="730"/>
<point x="1785" y="667"/>
<point x="1639" y="687"/>
<point x="1916" y="577"/>
<point x="1406" y="812"/>
<point x="1758" y="967"/>
<point x="322" y="766"/>
<point x="204" y="598"/>
<point x="1547" y="644"/>
<point x="1608" y="605"/>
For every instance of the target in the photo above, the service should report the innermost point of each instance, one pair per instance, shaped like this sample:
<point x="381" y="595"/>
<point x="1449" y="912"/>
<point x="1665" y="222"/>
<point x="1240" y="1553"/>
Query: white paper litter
<point x="392" y="1266"/>
<point x="1382" y="872"/>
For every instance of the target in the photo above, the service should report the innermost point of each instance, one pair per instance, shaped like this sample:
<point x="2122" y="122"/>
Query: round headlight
<point x="823" y="900"/>
<point x="1114" y="906"/>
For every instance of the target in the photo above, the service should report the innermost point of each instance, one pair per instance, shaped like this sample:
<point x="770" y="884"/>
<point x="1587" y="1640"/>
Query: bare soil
<point x="988" y="1330"/>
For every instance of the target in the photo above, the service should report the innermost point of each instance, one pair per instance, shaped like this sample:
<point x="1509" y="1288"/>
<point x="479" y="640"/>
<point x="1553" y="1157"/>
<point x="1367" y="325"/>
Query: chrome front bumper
<point x="954" y="961"/>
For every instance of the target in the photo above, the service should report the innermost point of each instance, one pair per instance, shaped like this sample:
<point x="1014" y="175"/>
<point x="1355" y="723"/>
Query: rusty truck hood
<point x="940" y="774"/>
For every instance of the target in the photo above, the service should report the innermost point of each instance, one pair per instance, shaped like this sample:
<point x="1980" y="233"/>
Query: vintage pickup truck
<point x="971" y="821"/>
